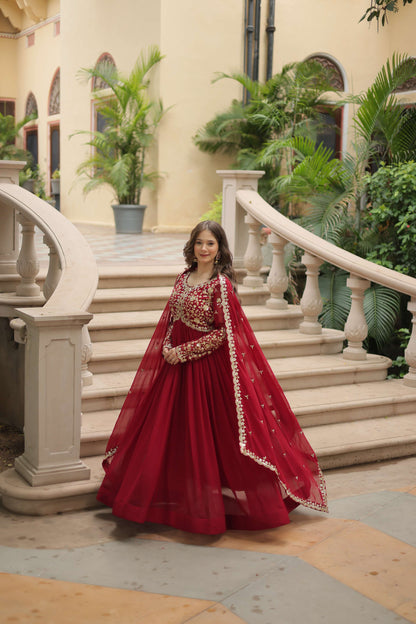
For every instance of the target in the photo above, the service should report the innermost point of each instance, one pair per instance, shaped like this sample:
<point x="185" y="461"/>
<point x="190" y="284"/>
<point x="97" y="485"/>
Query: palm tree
<point x="335" y="191"/>
<point x="284" y="106"/>
<point x="9" y="132"/>
<point x="131" y="119"/>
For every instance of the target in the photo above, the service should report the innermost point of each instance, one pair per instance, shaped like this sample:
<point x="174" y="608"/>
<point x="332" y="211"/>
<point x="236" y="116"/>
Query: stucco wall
<point x="198" y="40"/>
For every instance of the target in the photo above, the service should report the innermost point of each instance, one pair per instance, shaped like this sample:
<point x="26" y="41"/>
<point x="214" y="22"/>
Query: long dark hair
<point x="224" y="263"/>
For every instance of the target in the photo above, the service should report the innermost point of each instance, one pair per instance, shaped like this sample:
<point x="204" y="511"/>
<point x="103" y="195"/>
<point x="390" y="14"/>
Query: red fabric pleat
<point x="180" y="458"/>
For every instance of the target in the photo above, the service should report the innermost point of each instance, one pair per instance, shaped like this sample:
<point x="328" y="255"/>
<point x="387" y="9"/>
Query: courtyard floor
<point x="356" y="564"/>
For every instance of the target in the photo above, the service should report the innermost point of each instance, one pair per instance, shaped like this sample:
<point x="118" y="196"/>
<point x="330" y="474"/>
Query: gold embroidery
<point x="241" y="416"/>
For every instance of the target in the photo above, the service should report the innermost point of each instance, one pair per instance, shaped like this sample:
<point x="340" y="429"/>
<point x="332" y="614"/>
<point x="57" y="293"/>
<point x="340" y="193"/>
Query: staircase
<point x="348" y="409"/>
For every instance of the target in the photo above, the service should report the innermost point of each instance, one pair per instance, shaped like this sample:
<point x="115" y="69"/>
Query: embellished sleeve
<point x="205" y="345"/>
<point x="167" y="342"/>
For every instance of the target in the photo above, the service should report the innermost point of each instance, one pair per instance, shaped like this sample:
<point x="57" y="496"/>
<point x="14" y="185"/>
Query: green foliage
<point x="286" y="105"/>
<point x="379" y="10"/>
<point x="131" y="120"/>
<point x="391" y="221"/>
<point x="381" y="306"/>
<point x="33" y="173"/>
<point x="399" y="365"/>
<point x="215" y="210"/>
<point x="9" y="132"/>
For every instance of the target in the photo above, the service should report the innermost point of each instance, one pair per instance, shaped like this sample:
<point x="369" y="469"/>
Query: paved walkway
<point x="111" y="248"/>
<point x="355" y="565"/>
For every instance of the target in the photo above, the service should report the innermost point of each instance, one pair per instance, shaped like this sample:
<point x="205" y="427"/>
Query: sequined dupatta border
<point x="235" y="361"/>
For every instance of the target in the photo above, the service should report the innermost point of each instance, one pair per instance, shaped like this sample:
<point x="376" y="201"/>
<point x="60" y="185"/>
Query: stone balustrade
<point x="243" y="205"/>
<point x="51" y="324"/>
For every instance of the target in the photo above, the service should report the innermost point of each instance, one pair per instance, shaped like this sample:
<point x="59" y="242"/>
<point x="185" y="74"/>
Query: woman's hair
<point x="224" y="262"/>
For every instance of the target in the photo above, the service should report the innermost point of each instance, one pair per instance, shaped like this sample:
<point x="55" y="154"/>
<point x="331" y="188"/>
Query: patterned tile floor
<point x="355" y="565"/>
<point x="111" y="248"/>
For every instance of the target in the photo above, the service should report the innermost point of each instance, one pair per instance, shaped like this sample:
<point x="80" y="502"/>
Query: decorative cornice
<point x="28" y="31"/>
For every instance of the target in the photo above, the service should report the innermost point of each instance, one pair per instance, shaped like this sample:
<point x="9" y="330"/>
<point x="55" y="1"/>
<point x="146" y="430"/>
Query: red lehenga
<point x="210" y="443"/>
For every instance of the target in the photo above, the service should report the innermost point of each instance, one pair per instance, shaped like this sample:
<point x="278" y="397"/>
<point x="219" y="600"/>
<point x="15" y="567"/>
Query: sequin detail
<point x="242" y="429"/>
<point x="196" y="308"/>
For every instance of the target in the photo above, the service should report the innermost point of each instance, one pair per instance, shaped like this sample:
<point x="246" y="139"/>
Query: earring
<point x="216" y="259"/>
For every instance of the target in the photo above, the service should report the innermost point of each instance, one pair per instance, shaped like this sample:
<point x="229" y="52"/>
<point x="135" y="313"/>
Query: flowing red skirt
<point x="179" y="462"/>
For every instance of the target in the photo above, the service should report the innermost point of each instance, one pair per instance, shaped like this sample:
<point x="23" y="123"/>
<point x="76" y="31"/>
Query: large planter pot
<point x="29" y="185"/>
<point x="128" y="218"/>
<point x="55" y="187"/>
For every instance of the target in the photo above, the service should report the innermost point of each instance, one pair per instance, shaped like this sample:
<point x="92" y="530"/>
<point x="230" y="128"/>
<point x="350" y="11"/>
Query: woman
<point x="206" y="440"/>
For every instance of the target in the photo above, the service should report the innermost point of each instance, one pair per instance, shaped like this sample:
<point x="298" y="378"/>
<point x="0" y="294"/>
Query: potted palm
<point x="119" y="150"/>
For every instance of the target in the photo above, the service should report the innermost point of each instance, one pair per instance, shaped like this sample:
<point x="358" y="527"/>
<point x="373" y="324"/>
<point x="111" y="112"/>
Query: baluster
<point x="410" y="352"/>
<point x="356" y="326"/>
<point x="277" y="280"/>
<point x="311" y="302"/>
<point x="253" y="258"/>
<point x="86" y="353"/>
<point x="27" y="263"/>
<point x="54" y="269"/>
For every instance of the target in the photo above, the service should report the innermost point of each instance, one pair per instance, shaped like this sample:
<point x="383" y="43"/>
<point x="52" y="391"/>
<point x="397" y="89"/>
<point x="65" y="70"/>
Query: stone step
<point x="141" y="324"/>
<point x="336" y="444"/>
<point x="125" y="355"/>
<point x="313" y="406"/>
<point x="135" y="276"/>
<point x="352" y="402"/>
<point x="370" y="440"/>
<point x="155" y="298"/>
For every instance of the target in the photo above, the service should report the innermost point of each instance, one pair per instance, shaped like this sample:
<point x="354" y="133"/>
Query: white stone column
<point x="410" y="352"/>
<point x="311" y="302"/>
<point x="54" y="270"/>
<point x="27" y="263"/>
<point x="52" y="398"/>
<point x="9" y="232"/>
<point x="232" y="214"/>
<point x="253" y="258"/>
<point x="356" y="328"/>
<point x="277" y="280"/>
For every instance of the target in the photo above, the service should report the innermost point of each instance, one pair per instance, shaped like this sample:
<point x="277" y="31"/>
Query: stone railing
<point x="52" y="326"/>
<point x="244" y="212"/>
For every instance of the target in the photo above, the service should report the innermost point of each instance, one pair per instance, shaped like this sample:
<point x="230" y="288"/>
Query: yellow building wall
<point x="89" y="29"/>
<point x="198" y="39"/>
<point x="37" y="66"/>
<point x="8" y="68"/>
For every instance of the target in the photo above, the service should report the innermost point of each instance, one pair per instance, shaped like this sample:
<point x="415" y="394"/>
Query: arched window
<point x="107" y="60"/>
<point x="409" y="85"/>
<point x="336" y="77"/>
<point x="55" y="95"/>
<point x="31" y="105"/>
<point x="330" y="131"/>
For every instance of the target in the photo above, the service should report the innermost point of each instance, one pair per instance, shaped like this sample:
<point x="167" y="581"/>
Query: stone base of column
<point x="310" y="327"/>
<point x="253" y="281"/>
<point x="36" y="477"/>
<point x="354" y="353"/>
<point x="20" y="497"/>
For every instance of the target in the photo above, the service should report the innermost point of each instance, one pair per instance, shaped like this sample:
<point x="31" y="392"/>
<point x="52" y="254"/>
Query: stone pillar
<point x="311" y="302"/>
<point x="232" y="214"/>
<point x="356" y="326"/>
<point x="278" y="280"/>
<point x="52" y="397"/>
<point x="253" y="258"/>
<point x="410" y="352"/>
<point x="9" y="232"/>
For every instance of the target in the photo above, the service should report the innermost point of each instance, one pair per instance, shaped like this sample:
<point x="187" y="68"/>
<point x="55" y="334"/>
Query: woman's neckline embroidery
<point x="193" y="287"/>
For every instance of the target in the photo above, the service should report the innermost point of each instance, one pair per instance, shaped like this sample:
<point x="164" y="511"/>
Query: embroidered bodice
<point x="199" y="307"/>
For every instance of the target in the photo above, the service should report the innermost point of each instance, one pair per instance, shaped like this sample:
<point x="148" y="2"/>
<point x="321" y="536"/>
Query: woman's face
<point x="205" y="249"/>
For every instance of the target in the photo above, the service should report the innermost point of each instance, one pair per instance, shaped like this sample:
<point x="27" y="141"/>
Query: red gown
<point x="210" y="443"/>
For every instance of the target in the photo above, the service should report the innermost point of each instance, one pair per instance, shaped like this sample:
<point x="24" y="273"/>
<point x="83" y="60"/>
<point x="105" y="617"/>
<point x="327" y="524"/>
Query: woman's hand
<point x="170" y="356"/>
